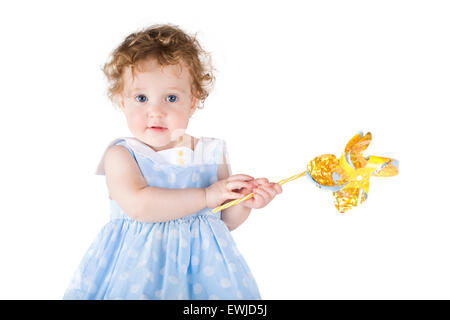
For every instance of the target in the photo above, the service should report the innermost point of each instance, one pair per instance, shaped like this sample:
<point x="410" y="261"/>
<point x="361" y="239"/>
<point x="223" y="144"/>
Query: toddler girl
<point x="163" y="241"/>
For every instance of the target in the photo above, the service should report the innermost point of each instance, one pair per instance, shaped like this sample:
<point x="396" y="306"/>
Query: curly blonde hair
<point x="169" y="45"/>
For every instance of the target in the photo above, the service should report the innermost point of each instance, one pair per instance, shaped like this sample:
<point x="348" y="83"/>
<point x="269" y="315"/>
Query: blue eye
<point x="141" y="98"/>
<point x="171" y="98"/>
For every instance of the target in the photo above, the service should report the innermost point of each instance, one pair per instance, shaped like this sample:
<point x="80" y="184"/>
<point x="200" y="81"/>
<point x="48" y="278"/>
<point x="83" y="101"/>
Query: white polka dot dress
<point x="193" y="257"/>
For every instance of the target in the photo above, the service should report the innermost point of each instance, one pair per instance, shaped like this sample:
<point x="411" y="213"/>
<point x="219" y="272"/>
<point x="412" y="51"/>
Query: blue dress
<point x="193" y="257"/>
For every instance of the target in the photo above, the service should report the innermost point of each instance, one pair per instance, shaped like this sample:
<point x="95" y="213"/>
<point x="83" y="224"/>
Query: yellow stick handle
<point x="232" y="203"/>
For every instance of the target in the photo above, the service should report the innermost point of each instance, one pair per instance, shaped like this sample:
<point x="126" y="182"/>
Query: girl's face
<point x="158" y="97"/>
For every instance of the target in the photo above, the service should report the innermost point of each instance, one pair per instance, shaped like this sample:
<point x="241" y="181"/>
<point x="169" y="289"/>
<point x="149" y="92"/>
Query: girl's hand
<point x="264" y="192"/>
<point x="233" y="187"/>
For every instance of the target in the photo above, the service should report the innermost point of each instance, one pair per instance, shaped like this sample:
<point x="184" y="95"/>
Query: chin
<point x="155" y="141"/>
<point x="177" y="134"/>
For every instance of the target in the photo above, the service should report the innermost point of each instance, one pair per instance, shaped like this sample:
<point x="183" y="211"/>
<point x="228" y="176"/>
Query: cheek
<point x="180" y="119"/>
<point x="136" y="121"/>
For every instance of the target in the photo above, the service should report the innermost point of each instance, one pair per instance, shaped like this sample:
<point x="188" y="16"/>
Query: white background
<point x="294" y="80"/>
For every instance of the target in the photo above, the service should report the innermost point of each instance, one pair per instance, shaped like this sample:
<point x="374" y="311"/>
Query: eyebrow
<point x="171" y="88"/>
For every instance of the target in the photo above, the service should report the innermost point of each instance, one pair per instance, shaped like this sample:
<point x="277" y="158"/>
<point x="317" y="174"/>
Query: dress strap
<point x="226" y="157"/>
<point x="207" y="150"/>
<point x="124" y="143"/>
<point x="120" y="142"/>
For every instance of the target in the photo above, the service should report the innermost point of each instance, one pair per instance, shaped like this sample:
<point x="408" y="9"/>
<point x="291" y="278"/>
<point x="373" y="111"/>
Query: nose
<point x="155" y="110"/>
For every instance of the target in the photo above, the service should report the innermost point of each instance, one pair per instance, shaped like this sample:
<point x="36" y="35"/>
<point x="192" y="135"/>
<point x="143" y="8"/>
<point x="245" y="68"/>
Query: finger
<point x="272" y="186"/>
<point x="250" y="198"/>
<point x="277" y="187"/>
<point x="265" y="196"/>
<point x="258" y="201"/>
<point x="245" y="191"/>
<point x="272" y="193"/>
<point x="272" y="190"/>
<point x="240" y="177"/>
<point x="234" y="195"/>
<point x="238" y="185"/>
<point x="262" y="181"/>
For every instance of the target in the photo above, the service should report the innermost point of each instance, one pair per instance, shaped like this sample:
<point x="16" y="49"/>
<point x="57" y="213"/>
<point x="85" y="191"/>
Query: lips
<point x="157" y="128"/>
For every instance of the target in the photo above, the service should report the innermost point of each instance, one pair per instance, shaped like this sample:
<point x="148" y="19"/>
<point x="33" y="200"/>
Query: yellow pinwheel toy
<point x="348" y="177"/>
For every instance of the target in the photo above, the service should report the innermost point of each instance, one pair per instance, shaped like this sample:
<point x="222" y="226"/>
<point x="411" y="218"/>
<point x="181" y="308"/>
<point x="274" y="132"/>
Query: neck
<point x="182" y="141"/>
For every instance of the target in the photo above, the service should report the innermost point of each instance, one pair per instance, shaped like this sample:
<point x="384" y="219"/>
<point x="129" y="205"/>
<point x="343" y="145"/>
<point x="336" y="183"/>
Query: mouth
<point x="157" y="129"/>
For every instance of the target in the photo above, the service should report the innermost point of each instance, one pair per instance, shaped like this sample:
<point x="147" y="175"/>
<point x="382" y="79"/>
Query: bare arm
<point x="235" y="215"/>
<point x="128" y="187"/>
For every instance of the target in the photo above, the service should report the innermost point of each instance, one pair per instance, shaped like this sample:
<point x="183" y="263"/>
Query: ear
<point x="193" y="106"/>
<point x="120" y="101"/>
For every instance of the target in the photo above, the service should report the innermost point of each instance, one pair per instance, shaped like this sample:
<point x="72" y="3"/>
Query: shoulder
<point x="214" y="148"/>
<point x="213" y="144"/>
<point x="211" y="139"/>
<point x="117" y="156"/>
<point x="219" y="148"/>
<point x="123" y="176"/>
<point x="100" y="167"/>
<point x="115" y="151"/>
